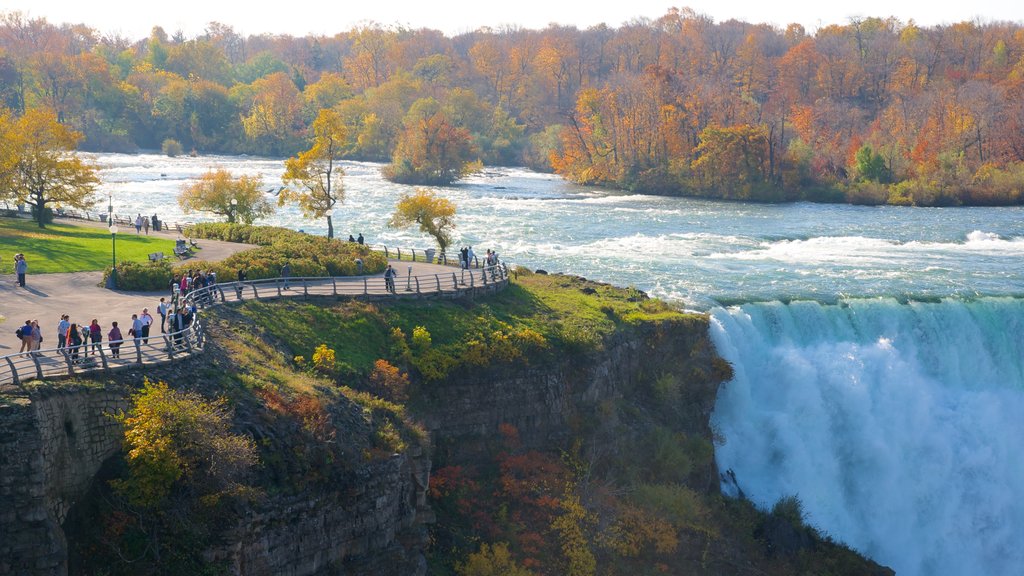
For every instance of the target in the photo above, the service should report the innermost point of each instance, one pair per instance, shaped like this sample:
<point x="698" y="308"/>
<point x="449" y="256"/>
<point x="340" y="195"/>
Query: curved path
<point x="46" y="297"/>
<point x="416" y="279"/>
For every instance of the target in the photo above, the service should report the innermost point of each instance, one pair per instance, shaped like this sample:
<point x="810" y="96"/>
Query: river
<point x="879" y="351"/>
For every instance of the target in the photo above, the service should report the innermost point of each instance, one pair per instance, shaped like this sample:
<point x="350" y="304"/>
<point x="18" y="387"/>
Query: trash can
<point x="429" y="253"/>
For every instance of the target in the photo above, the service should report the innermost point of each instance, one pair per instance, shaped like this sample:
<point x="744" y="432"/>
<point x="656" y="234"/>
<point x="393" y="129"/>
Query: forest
<point x="870" y="111"/>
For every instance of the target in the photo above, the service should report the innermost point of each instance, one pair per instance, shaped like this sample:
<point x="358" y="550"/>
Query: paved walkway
<point x="79" y="294"/>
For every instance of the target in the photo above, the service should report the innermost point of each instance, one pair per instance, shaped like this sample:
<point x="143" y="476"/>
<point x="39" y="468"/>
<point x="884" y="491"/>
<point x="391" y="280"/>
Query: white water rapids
<point x="897" y="425"/>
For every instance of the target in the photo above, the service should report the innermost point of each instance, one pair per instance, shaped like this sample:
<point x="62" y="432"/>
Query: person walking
<point x="115" y="338"/>
<point x="286" y="273"/>
<point x="147" y="321"/>
<point x="156" y="223"/>
<point x="62" y="331"/>
<point x="161" y="308"/>
<point x="21" y="268"/>
<point x="37" y="338"/>
<point x="74" y="341"/>
<point x="470" y="257"/>
<point x="138" y="224"/>
<point x="241" y="280"/>
<point x="25" y="335"/>
<point x="389" y="279"/>
<point x="96" y="336"/>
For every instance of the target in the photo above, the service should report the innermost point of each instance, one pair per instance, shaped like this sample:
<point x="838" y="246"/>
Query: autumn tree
<point x="732" y="160"/>
<point x="38" y="165"/>
<point x="434" y="215"/>
<point x="313" y="179"/>
<point x="219" y="192"/>
<point x="431" y="149"/>
<point x="176" y="437"/>
<point x="274" y="119"/>
<point x="491" y="560"/>
<point x="184" y="462"/>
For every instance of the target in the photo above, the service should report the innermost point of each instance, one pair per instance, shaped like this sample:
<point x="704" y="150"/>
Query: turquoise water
<point x="877" y="350"/>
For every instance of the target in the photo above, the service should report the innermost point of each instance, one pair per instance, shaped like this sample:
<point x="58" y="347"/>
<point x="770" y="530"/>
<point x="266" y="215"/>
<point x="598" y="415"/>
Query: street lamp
<point x="112" y="281"/>
<point x="234" y="206"/>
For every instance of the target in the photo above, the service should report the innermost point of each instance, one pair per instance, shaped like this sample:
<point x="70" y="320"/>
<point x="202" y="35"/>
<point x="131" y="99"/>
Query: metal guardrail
<point x="162" y="348"/>
<point x="420" y="255"/>
<point x="120" y="219"/>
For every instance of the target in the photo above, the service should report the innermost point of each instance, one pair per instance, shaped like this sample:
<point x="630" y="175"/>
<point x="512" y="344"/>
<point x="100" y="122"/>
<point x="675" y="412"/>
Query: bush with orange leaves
<point x="389" y="382"/>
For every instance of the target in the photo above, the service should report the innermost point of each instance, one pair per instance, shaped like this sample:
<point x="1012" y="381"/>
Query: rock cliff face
<point x="50" y="449"/>
<point x="375" y="528"/>
<point x="548" y="405"/>
<point x="53" y="444"/>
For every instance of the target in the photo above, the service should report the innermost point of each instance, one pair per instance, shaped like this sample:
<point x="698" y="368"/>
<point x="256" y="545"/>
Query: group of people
<point x="142" y="223"/>
<point x="192" y="280"/>
<point x="78" y="341"/>
<point x="467" y="257"/>
<point x="359" y="239"/>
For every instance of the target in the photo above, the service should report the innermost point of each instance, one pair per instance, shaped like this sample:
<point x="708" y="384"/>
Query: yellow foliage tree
<point x="174" y="437"/>
<point x="491" y="560"/>
<point x="313" y="179"/>
<point x="434" y="215"/>
<point x="219" y="192"/>
<point x="38" y="165"/>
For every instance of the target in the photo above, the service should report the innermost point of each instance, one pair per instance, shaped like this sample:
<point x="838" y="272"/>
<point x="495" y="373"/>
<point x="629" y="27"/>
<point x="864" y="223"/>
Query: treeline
<point x="873" y="111"/>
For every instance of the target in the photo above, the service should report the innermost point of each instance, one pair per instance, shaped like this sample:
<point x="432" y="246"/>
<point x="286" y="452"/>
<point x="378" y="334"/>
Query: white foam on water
<point x="897" y="425"/>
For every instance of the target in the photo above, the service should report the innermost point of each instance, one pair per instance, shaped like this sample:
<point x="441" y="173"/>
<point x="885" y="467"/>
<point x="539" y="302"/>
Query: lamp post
<point x="112" y="281"/>
<point x="234" y="206"/>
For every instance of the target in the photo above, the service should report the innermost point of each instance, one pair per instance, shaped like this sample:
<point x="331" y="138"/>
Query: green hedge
<point x="244" y="233"/>
<point x="307" y="255"/>
<point x="141" y="276"/>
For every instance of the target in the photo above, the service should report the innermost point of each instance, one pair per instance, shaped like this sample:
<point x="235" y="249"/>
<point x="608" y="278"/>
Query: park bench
<point x="182" y="251"/>
<point x="156" y="256"/>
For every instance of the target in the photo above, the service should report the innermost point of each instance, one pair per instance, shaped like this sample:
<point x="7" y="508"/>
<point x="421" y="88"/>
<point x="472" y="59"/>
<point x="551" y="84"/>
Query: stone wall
<point x="50" y="449"/>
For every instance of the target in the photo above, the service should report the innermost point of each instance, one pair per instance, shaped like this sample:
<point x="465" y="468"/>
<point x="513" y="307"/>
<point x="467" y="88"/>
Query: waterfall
<point x="898" y="425"/>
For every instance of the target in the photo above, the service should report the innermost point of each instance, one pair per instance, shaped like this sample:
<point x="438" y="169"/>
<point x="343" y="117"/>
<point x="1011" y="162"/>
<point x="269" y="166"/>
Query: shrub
<point x="790" y="509"/>
<point x="388" y="382"/>
<point x="493" y="560"/>
<point x="172" y="438"/>
<point x="399" y="347"/>
<point x="171" y="147"/>
<point x="867" y="193"/>
<point x="420" y="340"/>
<point x="674" y="502"/>
<point x="324" y="360"/>
<point x="308" y="255"/>
<point x="141" y="276"/>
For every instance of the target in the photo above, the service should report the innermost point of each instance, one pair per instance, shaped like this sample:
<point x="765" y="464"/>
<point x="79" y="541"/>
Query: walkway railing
<point x="421" y="255"/>
<point x="15" y="369"/>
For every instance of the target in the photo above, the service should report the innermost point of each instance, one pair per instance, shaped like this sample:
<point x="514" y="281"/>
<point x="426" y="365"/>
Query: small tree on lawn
<point x="215" y="190"/>
<point x="38" y="165"/>
<point x="434" y="215"/>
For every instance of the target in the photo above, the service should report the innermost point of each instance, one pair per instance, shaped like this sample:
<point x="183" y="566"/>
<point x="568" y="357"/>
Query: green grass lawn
<point x="68" y="248"/>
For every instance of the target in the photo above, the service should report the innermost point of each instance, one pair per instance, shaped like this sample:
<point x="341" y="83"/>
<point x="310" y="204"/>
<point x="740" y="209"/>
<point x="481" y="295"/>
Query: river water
<point x="878" y="351"/>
